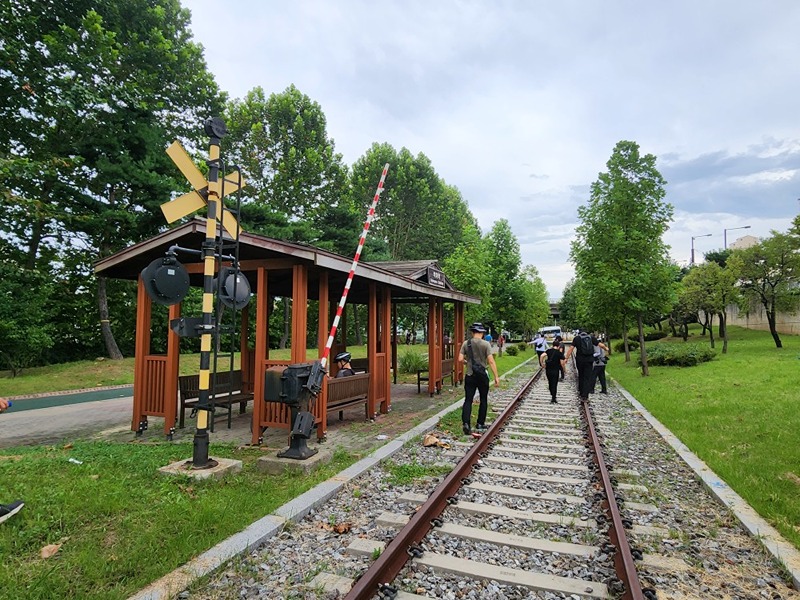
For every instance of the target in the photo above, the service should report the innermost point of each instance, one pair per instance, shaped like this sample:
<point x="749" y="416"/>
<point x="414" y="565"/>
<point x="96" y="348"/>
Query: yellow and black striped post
<point x="215" y="128"/>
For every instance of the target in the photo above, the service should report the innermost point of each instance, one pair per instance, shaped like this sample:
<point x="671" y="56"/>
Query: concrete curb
<point x="265" y="528"/>
<point x="783" y="552"/>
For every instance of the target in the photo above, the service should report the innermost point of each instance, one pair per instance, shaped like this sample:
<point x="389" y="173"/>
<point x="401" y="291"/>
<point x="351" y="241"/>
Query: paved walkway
<point x="80" y="416"/>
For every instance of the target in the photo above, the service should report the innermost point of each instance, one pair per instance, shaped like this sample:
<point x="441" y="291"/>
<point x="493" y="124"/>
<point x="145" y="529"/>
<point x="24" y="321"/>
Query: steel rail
<point x="623" y="558"/>
<point x="392" y="560"/>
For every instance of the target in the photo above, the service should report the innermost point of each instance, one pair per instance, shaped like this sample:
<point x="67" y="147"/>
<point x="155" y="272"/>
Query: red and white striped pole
<point x="349" y="282"/>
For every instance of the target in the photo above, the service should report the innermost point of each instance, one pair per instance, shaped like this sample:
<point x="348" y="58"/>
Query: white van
<point x="551" y="332"/>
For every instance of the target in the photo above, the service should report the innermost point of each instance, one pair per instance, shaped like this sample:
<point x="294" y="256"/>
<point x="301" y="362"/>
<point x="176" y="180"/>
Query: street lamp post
<point x="694" y="237"/>
<point x="725" y="235"/>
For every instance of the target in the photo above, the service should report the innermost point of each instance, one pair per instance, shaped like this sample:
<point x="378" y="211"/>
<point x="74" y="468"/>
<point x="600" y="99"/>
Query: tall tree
<point x="419" y="215"/>
<point x="503" y="271"/>
<point x="768" y="274"/>
<point x="618" y="249"/>
<point x="466" y="268"/>
<point x="95" y="92"/>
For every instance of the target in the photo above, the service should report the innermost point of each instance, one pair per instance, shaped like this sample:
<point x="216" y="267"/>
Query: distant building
<point x="743" y="242"/>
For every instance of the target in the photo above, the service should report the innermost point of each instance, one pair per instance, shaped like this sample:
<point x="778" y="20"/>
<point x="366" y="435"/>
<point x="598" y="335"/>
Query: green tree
<point x="26" y="332"/>
<point x="619" y="252"/>
<point x="503" y="272"/>
<point x="768" y="273"/>
<point x="466" y="269"/>
<point x="419" y="216"/>
<point x="96" y="90"/>
<point x="710" y="288"/>
<point x="534" y="306"/>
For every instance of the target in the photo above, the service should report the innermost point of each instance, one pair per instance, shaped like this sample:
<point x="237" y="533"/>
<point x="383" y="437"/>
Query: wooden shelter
<point x="302" y="273"/>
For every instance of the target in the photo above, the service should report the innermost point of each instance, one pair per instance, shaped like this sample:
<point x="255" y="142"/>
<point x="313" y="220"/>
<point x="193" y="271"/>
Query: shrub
<point x="512" y="350"/>
<point x="654" y="335"/>
<point x="678" y="355"/>
<point x="412" y="361"/>
<point x="522" y="347"/>
<point x="620" y="345"/>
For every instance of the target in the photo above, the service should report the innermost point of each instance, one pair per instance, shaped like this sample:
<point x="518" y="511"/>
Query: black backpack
<point x="584" y="345"/>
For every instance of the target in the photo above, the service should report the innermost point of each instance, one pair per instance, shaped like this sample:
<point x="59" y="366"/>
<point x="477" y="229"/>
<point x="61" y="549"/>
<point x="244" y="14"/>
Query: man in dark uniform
<point x="476" y="352"/>
<point x="584" y="363"/>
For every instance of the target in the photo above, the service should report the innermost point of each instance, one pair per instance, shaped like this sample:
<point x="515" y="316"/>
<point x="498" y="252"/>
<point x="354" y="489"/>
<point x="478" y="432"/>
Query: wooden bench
<point x="344" y="392"/>
<point x="447" y="371"/>
<point x="227" y="391"/>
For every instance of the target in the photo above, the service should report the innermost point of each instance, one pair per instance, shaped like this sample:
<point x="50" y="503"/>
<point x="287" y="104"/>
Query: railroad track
<point x="529" y="520"/>
<point x="536" y="483"/>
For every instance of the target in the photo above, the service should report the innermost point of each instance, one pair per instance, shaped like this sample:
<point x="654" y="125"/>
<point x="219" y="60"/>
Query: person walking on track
<point x="476" y="355"/>
<point x="552" y="361"/>
<point x="584" y="360"/>
<point x="599" y="366"/>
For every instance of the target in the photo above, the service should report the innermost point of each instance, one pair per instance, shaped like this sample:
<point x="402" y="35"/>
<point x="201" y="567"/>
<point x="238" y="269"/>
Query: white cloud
<point x="520" y="104"/>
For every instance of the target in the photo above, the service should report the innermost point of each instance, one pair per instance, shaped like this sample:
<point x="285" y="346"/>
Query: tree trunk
<point x="357" y="326"/>
<point x="672" y="326"/>
<point x="685" y="331"/>
<point x="105" y="326"/>
<point x="642" y="351"/>
<point x="772" y="328"/>
<point x="625" y="342"/>
<point x="37" y="232"/>
<point x="723" y="331"/>
<point x="608" y="339"/>
<point x="286" y="317"/>
<point x="710" y="320"/>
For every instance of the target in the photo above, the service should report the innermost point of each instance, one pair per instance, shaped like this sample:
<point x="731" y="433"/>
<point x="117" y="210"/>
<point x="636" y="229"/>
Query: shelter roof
<point x="278" y="257"/>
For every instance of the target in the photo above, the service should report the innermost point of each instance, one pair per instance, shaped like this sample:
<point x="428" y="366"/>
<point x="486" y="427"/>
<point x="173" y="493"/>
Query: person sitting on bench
<point x="343" y="360"/>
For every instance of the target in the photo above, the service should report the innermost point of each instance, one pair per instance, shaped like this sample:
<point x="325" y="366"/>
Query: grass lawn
<point x="121" y="527"/>
<point x="740" y="413"/>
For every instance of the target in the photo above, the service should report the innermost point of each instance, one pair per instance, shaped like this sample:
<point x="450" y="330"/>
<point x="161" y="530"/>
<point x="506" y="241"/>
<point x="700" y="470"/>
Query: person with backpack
<point x="584" y="360"/>
<point x="599" y="365"/>
<point x="475" y="355"/>
<point x="552" y="361"/>
<point x="540" y="343"/>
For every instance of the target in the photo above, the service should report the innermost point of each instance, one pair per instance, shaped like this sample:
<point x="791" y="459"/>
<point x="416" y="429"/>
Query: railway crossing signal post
<point x="205" y="194"/>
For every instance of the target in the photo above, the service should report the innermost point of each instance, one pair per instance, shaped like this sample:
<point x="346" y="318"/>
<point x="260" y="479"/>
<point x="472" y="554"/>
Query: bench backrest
<point x="224" y="382"/>
<point x="346" y="388"/>
<point x="360" y="364"/>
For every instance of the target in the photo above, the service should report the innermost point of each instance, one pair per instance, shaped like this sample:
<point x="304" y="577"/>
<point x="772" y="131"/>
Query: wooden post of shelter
<point x="323" y="326"/>
<point x="387" y="348"/>
<point x="261" y="353"/>
<point x="458" y="335"/>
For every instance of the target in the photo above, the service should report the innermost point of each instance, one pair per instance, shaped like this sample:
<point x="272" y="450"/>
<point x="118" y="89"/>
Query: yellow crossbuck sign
<point x="197" y="198"/>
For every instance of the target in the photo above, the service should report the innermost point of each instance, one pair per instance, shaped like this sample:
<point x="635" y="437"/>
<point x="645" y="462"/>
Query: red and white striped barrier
<point x="349" y="282"/>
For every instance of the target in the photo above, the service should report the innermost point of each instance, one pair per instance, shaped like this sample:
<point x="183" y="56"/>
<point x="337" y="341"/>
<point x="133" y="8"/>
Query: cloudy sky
<point x="519" y="103"/>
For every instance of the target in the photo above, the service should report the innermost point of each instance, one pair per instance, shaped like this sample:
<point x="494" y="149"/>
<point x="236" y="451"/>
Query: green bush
<point x="522" y="347"/>
<point x="512" y="350"/>
<point x="654" y="335"/>
<point x="412" y="361"/>
<point x="620" y="345"/>
<point x="678" y="355"/>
